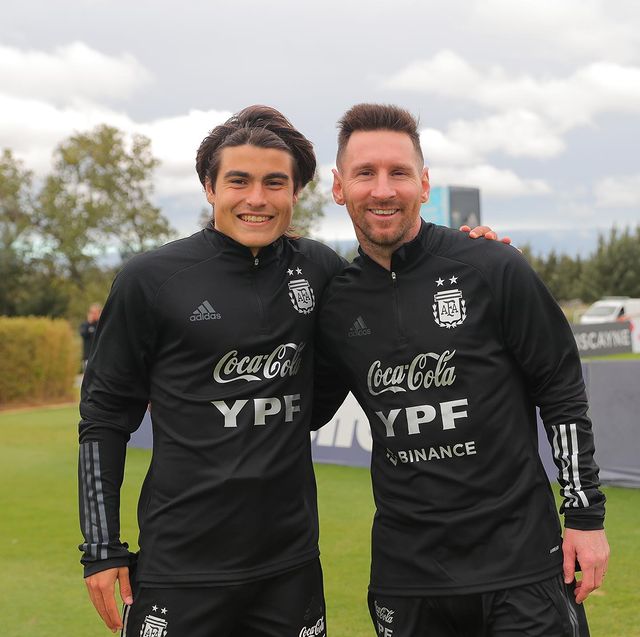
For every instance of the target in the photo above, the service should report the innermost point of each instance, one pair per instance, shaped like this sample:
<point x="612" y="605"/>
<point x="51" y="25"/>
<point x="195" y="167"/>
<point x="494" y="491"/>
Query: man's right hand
<point x="101" y="587"/>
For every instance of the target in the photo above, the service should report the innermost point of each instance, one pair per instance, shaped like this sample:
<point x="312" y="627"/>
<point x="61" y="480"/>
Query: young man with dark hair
<point x="464" y="341"/>
<point x="216" y="331"/>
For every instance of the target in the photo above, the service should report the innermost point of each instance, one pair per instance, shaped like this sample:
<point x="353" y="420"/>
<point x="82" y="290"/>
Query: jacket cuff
<point x="588" y="522"/>
<point x="103" y="565"/>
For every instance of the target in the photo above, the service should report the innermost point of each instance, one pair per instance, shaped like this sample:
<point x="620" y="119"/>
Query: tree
<point x="614" y="269"/>
<point x="561" y="274"/>
<point x="309" y="209"/>
<point x="139" y="225"/>
<point x="16" y="223"/>
<point x="16" y="201"/>
<point x="567" y="281"/>
<point x="99" y="195"/>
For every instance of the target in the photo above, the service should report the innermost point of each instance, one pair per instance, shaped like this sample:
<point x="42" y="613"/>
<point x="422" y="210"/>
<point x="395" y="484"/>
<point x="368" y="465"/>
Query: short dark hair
<point x="260" y="126"/>
<point x="372" y="117"/>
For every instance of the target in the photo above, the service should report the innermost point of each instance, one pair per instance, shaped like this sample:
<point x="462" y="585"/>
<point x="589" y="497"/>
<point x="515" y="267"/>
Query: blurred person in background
<point x="87" y="331"/>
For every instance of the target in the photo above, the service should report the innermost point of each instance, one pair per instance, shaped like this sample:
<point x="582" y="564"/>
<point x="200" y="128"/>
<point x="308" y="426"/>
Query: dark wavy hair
<point x="260" y="126"/>
<point x="372" y="117"/>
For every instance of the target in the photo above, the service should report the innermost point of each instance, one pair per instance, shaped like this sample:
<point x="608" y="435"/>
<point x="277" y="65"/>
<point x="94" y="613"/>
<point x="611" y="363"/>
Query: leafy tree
<point x="566" y="283"/>
<point x="614" y="269"/>
<point x="98" y="195"/>
<point x="16" y="224"/>
<point x="139" y="225"/>
<point x="16" y="201"/>
<point x="309" y="209"/>
<point x="559" y="273"/>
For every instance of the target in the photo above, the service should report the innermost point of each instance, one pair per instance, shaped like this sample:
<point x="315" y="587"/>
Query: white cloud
<point x="618" y="192"/>
<point x="514" y="133"/>
<point x="69" y="72"/>
<point x="175" y="141"/>
<point x="439" y="148"/>
<point x="581" y="28"/>
<point x="33" y="128"/>
<point x="446" y="73"/>
<point x="564" y="102"/>
<point x="517" y="133"/>
<point x="493" y="182"/>
<point x="529" y="117"/>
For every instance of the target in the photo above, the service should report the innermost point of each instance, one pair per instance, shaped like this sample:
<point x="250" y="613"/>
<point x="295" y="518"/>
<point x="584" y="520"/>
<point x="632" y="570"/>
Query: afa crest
<point x="301" y="295"/>
<point x="153" y="627"/>
<point x="449" y="308"/>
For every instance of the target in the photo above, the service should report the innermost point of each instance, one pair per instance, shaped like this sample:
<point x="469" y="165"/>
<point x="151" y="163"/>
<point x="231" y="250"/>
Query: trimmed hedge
<point x="39" y="360"/>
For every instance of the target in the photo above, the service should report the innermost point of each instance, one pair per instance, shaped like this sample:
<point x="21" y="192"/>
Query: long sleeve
<point x="541" y="340"/>
<point x="114" y="397"/>
<point x="329" y="387"/>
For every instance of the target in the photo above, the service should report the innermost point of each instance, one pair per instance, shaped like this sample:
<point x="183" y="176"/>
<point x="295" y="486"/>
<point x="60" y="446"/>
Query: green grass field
<point x="614" y="357"/>
<point x="41" y="587"/>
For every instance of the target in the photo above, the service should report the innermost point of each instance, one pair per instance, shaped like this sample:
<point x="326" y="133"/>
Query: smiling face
<point x="253" y="196"/>
<point x="381" y="180"/>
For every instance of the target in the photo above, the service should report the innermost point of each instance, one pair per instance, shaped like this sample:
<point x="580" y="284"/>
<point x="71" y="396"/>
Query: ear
<point x="338" y="195"/>
<point x="211" y="196"/>
<point x="426" y="186"/>
<point x="295" y="198"/>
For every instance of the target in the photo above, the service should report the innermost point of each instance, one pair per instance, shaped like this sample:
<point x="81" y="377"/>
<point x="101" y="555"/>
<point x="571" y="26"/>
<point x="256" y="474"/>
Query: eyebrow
<point x="372" y="165"/>
<point x="241" y="173"/>
<point x="277" y="175"/>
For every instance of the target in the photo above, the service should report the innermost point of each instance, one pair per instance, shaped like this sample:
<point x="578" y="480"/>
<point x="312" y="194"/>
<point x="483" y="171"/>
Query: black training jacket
<point x="449" y="353"/>
<point x="221" y="345"/>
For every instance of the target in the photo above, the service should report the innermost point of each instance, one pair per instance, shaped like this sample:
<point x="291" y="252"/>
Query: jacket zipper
<point x="261" y="311"/>
<point x="396" y="304"/>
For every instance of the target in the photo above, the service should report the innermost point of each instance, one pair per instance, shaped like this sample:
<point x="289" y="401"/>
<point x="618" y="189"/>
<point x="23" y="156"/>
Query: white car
<point x="616" y="308"/>
<point x="611" y="309"/>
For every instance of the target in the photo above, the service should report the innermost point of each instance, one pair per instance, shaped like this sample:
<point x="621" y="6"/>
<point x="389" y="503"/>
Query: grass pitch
<point x="41" y="587"/>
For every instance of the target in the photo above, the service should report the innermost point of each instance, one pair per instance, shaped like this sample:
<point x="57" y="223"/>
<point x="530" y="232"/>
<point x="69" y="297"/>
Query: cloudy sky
<point x="535" y="102"/>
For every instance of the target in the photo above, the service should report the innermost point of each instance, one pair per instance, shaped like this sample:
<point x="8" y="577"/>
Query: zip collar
<point x="225" y="243"/>
<point x="406" y="254"/>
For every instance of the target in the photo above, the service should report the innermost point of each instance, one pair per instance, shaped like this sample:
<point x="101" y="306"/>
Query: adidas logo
<point x="359" y="328"/>
<point x="204" y="312"/>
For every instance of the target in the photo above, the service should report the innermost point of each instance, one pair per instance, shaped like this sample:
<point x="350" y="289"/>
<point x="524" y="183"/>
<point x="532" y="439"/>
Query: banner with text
<point x="601" y="339"/>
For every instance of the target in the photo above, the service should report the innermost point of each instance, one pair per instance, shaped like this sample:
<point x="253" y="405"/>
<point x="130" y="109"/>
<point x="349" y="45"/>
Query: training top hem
<point x="443" y="590"/>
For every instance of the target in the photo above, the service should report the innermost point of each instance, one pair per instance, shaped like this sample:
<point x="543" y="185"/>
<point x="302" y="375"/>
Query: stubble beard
<point x="384" y="241"/>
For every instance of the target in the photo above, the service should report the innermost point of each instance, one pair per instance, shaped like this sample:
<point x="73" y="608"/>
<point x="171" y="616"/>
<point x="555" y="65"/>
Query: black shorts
<point x="542" y="609"/>
<point x="290" y="604"/>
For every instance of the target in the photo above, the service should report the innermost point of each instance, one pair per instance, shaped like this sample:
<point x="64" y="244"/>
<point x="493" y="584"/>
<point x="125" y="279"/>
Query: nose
<point x="383" y="188"/>
<point x="255" y="196"/>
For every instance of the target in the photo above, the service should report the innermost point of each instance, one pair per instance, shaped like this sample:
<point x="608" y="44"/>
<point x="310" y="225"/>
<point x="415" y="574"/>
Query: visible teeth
<point x="254" y="218"/>
<point x="383" y="211"/>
